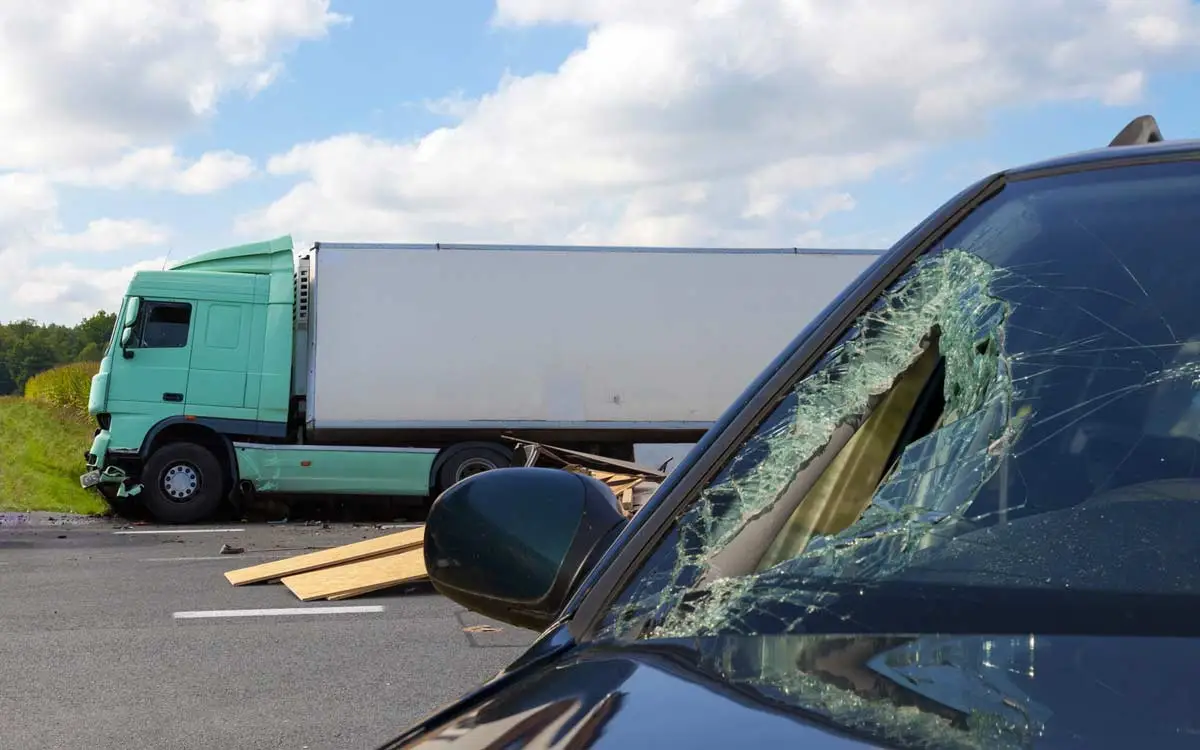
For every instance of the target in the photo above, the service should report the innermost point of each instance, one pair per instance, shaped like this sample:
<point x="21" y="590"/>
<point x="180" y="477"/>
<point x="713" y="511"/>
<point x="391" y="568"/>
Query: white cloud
<point x="720" y="120"/>
<point x="65" y="293"/>
<point x="83" y="81"/>
<point x="455" y="105"/>
<point x="106" y="235"/>
<point x="160" y="168"/>
<point x="94" y="93"/>
<point x="61" y="291"/>
<point x="28" y="205"/>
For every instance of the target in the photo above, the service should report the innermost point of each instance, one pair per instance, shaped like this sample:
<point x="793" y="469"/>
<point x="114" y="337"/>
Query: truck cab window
<point x="164" y="325"/>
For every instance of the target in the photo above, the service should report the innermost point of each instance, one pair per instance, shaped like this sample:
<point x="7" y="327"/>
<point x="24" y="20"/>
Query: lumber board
<point x="346" y="553"/>
<point x="373" y="588"/>
<point x="359" y="577"/>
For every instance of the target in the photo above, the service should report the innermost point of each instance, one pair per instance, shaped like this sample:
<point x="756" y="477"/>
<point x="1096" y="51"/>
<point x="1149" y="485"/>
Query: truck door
<point x="152" y="373"/>
<point x="220" y="360"/>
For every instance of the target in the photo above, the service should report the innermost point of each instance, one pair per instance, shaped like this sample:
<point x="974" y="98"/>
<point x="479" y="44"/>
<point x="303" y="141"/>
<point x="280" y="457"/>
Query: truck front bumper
<point x="107" y="479"/>
<point x="97" y="454"/>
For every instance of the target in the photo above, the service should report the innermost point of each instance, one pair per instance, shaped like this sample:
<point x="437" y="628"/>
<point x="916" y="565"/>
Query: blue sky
<point x="666" y="126"/>
<point x="373" y="75"/>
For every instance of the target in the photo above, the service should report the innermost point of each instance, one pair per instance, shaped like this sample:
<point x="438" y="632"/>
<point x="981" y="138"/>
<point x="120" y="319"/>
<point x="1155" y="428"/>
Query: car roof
<point x="1141" y="139"/>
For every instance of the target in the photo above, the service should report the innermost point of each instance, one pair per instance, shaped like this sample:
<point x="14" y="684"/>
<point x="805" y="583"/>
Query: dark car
<point x="961" y="510"/>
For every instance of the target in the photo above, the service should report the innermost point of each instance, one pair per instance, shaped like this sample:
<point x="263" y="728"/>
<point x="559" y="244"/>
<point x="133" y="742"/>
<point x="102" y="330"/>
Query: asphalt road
<point x="95" y="654"/>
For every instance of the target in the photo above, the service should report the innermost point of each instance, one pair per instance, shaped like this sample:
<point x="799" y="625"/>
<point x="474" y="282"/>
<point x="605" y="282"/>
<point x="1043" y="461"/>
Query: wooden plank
<point x="404" y="540"/>
<point x="374" y="587"/>
<point x="365" y="575"/>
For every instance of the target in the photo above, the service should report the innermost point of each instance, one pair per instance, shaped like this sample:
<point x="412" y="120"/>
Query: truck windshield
<point x="1019" y="412"/>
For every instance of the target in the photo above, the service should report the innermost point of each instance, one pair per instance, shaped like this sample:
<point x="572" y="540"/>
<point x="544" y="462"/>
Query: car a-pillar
<point x="187" y="471"/>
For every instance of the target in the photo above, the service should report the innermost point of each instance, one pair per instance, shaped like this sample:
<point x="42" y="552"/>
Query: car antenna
<point x="1139" y="131"/>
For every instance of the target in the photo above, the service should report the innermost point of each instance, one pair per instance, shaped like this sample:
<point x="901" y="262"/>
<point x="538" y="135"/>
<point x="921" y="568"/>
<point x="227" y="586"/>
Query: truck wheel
<point x="182" y="483"/>
<point x="470" y="461"/>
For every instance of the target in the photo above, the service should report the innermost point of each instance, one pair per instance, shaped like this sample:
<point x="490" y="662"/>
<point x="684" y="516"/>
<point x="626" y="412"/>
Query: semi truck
<point x="397" y="370"/>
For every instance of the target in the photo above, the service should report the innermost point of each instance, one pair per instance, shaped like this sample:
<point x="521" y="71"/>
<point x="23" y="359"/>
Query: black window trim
<point x="144" y="315"/>
<point x="629" y="552"/>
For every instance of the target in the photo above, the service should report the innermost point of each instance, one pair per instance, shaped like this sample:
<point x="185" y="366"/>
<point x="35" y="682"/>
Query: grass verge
<point x="41" y="458"/>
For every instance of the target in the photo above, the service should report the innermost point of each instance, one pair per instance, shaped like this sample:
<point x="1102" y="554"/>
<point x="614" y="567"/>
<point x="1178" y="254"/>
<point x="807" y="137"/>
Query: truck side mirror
<point x="127" y="322"/>
<point x="126" y="335"/>
<point x="131" y="312"/>
<point x="512" y="544"/>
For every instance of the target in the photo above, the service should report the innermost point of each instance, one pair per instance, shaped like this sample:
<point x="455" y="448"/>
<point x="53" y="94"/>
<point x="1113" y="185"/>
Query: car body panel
<point x="1103" y="157"/>
<point x="1048" y="693"/>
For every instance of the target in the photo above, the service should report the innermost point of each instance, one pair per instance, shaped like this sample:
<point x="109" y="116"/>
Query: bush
<point x="66" y="386"/>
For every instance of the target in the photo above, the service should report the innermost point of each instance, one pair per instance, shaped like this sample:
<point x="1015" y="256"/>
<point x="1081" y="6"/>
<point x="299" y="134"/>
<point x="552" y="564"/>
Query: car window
<point x="990" y="420"/>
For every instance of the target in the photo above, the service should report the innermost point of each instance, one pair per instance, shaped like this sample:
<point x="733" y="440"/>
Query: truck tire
<point x="468" y="461"/>
<point x="182" y="483"/>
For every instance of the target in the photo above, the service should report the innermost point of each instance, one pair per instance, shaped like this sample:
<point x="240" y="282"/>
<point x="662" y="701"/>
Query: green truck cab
<point x="198" y="361"/>
<point x="200" y="395"/>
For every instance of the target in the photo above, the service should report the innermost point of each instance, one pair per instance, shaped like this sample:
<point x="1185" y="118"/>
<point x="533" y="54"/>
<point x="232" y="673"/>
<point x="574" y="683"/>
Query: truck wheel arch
<point x="454" y="451"/>
<point x="179" y="429"/>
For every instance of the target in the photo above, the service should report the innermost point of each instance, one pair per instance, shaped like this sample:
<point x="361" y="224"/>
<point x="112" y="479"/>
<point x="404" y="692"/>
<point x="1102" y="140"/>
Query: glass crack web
<point x="934" y="480"/>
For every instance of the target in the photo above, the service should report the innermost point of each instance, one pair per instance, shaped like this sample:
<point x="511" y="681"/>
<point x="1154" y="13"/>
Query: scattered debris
<point x="347" y="571"/>
<point x="227" y="549"/>
<point x="632" y="484"/>
<point x="480" y="629"/>
<point x="38" y="519"/>
<point x="398" y="559"/>
<point x="348" y="580"/>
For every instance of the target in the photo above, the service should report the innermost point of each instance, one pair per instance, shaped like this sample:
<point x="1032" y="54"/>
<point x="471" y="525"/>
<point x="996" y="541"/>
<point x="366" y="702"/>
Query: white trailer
<point x="564" y="344"/>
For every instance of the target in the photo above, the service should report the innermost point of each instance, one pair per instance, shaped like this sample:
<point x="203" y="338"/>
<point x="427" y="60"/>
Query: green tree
<point x="91" y="352"/>
<point x="28" y="347"/>
<point x="96" y="330"/>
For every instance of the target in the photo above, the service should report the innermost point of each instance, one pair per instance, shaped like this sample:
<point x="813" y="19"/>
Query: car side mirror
<point x="512" y="544"/>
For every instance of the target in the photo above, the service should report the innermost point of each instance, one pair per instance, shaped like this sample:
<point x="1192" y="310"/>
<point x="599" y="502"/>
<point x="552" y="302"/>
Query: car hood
<point x="828" y="693"/>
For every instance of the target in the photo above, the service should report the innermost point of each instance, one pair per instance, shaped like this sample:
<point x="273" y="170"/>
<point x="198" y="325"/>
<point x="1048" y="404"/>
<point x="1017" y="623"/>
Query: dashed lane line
<point x="177" y="531"/>
<point x="289" y="611"/>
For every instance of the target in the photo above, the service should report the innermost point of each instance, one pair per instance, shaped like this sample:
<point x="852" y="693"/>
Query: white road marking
<point x="179" y="531"/>
<point x="217" y="613"/>
<point x="217" y="557"/>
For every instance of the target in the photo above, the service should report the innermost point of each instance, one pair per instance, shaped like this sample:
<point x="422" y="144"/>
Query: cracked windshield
<point x="991" y="420"/>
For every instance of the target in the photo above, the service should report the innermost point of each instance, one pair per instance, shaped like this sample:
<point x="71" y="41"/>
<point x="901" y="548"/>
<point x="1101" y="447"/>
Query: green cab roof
<point x="255" y="257"/>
